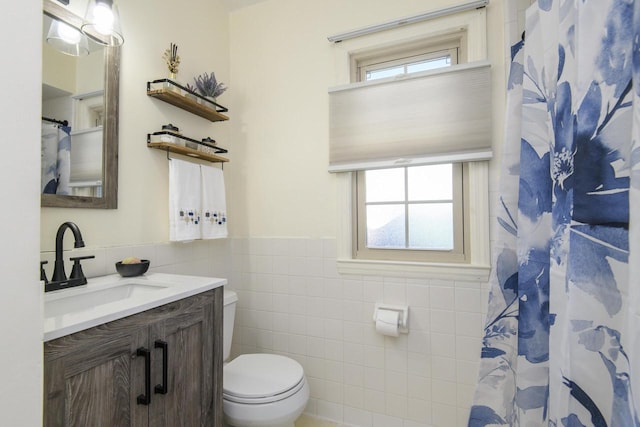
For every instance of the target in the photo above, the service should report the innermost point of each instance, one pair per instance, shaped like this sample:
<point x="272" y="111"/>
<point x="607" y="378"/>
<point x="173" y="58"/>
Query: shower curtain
<point x="562" y="334"/>
<point x="55" y="158"/>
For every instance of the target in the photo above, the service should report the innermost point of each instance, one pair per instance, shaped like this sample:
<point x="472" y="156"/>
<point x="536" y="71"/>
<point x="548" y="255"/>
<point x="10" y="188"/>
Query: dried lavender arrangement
<point x="209" y="86"/>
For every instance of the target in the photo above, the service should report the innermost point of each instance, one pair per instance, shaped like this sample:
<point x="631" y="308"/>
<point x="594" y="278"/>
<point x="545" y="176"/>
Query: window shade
<point x="431" y="117"/>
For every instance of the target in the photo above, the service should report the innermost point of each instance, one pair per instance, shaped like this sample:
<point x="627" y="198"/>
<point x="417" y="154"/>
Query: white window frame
<point x="477" y="268"/>
<point x="408" y="54"/>
<point x="474" y="49"/>
<point x="460" y="251"/>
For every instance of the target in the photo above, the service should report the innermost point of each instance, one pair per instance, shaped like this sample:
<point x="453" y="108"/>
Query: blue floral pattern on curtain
<point x="562" y="336"/>
<point x="55" y="159"/>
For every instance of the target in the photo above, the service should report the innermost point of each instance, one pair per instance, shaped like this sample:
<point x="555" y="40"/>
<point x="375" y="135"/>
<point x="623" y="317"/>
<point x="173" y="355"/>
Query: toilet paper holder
<point x="403" y="318"/>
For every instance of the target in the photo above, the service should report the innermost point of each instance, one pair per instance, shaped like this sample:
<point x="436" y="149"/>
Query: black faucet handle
<point x="76" y="273"/>
<point x="80" y="258"/>
<point x="43" y="275"/>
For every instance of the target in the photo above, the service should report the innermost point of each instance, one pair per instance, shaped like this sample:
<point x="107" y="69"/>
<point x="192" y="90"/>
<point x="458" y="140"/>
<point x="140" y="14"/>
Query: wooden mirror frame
<point x="109" y="199"/>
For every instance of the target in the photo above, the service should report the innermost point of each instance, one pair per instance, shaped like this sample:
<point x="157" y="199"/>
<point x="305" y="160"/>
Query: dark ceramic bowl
<point x="132" y="270"/>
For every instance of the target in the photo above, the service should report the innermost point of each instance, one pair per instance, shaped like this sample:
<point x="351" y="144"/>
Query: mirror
<point x="80" y="160"/>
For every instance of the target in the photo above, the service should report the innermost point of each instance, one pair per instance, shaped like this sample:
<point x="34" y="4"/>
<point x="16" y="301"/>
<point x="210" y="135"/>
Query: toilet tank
<point x="229" y="314"/>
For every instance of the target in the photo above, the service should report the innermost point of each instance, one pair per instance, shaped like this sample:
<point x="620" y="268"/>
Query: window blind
<point x="436" y="116"/>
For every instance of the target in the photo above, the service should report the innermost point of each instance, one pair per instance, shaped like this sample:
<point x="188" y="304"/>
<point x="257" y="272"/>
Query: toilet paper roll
<point x="387" y="322"/>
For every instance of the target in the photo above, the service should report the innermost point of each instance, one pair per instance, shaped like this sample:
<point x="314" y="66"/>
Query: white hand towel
<point x="214" y="205"/>
<point x="184" y="201"/>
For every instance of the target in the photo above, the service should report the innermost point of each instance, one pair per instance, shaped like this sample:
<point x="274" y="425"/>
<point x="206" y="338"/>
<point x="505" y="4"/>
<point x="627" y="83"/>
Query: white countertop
<point x="112" y="297"/>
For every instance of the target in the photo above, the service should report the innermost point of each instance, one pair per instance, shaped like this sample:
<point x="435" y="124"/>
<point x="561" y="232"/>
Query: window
<point x="412" y="213"/>
<point x="381" y="125"/>
<point x="439" y="60"/>
<point x="407" y="58"/>
<point x="408" y="64"/>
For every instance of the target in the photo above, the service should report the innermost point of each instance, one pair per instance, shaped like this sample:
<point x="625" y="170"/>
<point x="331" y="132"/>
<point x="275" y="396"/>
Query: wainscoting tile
<point x="293" y="302"/>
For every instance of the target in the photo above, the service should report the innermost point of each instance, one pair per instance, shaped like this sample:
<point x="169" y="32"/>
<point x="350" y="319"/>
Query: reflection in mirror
<point x="80" y="115"/>
<point x="72" y="113"/>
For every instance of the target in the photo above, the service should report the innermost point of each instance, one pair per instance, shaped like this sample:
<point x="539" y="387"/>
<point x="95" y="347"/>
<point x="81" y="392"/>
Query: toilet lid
<point x="256" y="376"/>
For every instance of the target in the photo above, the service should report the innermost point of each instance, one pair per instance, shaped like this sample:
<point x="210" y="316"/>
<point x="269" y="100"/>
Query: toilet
<point x="259" y="390"/>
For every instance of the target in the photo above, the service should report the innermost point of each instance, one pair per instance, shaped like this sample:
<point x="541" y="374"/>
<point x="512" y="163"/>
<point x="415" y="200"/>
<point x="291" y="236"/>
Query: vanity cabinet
<point x="98" y="377"/>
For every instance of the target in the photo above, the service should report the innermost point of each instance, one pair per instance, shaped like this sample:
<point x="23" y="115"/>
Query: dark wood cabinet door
<point x="192" y="366"/>
<point x="94" y="379"/>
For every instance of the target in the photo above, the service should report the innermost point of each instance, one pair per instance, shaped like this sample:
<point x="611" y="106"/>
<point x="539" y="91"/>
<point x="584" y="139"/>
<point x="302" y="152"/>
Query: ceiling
<point x="233" y="5"/>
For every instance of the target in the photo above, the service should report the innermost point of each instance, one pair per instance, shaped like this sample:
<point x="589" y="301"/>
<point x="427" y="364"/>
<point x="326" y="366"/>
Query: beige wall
<point x="292" y="300"/>
<point x="60" y="69"/>
<point x="90" y="72"/>
<point x="281" y="68"/>
<point x="20" y="304"/>
<point x="201" y="33"/>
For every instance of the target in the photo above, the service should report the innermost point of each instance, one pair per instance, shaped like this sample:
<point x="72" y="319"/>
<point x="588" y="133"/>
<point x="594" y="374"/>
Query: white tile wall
<point x="293" y="302"/>
<point x="200" y="258"/>
<point x="515" y="12"/>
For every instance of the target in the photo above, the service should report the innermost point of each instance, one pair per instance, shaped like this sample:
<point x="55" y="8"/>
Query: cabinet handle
<point x="162" y="388"/>
<point x="145" y="399"/>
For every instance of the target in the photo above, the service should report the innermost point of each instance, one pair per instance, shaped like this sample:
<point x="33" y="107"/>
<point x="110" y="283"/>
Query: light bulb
<point x="103" y="18"/>
<point x="68" y="33"/>
<point x="102" y="23"/>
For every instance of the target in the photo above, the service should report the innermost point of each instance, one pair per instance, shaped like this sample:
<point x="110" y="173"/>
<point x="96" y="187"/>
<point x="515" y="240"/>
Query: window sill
<point x="443" y="271"/>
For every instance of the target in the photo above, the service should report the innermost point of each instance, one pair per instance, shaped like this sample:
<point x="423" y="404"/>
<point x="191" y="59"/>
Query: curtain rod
<point x="59" y="122"/>
<point x="408" y="20"/>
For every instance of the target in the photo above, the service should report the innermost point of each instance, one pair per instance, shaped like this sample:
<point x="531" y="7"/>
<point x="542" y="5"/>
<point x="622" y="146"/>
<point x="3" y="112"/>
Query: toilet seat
<point x="266" y="399"/>
<point x="262" y="378"/>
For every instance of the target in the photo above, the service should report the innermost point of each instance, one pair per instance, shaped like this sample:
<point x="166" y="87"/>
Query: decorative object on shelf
<point x="171" y="134"/>
<point x="206" y="149"/>
<point x="177" y="96"/>
<point x="171" y="128"/>
<point x="191" y="92"/>
<point x="208" y="85"/>
<point x="172" y="59"/>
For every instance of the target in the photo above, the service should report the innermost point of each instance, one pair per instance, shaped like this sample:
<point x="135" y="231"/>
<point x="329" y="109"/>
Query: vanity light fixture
<point x="103" y="18"/>
<point x="67" y="39"/>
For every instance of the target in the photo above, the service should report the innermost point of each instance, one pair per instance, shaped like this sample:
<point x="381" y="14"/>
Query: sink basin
<point x="112" y="297"/>
<point x="91" y="298"/>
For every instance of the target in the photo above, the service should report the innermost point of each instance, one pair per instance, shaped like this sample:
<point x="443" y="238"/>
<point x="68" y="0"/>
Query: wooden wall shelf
<point x="167" y="146"/>
<point x="176" y="95"/>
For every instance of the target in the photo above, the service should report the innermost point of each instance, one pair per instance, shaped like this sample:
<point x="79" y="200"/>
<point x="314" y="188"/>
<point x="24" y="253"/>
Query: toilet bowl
<point x="260" y="390"/>
<point x="263" y="390"/>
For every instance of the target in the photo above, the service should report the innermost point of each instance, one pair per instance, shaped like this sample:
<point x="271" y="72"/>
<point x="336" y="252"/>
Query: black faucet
<point x="59" y="279"/>
<point x="58" y="270"/>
